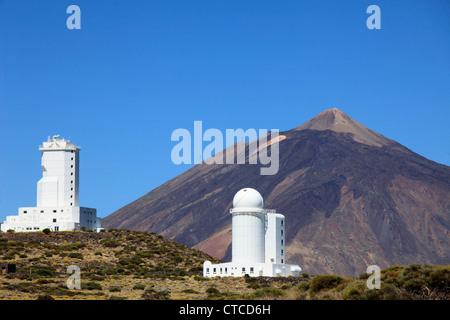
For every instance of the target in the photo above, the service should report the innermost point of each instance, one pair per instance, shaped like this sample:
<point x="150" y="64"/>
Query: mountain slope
<point x="351" y="198"/>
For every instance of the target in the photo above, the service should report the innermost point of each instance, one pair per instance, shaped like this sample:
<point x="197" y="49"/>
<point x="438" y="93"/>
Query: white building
<point x="57" y="194"/>
<point x="258" y="241"/>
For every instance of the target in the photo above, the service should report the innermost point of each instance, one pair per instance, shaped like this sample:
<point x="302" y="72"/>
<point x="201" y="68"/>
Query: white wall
<point x="54" y="218"/>
<point x="275" y="239"/>
<point x="248" y="237"/>
<point x="59" y="183"/>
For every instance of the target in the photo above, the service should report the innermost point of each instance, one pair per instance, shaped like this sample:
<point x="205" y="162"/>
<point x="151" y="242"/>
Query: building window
<point x="71" y="189"/>
<point x="54" y="220"/>
<point x="24" y="211"/>
<point x="243" y="269"/>
<point x="281" y="241"/>
<point x="71" y="166"/>
<point x="54" y="211"/>
<point x="207" y="270"/>
<point x="42" y="211"/>
<point x="71" y="158"/>
<point x="71" y="196"/>
<point x="282" y="222"/>
<point x="71" y="181"/>
<point x="282" y="261"/>
<point x="71" y="173"/>
<point x="281" y="231"/>
<point x="251" y="269"/>
<point x="71" y="203"/>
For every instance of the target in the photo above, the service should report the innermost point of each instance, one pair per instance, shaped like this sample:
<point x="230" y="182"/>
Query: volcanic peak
<point x="336" y="120"/>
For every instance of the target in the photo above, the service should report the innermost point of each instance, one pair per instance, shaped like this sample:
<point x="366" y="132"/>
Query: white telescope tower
<point x="248" y="227"/>
<point x="258" y="241"/>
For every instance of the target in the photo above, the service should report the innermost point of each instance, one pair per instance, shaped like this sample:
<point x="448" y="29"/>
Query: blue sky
<point x="138" y="70"/>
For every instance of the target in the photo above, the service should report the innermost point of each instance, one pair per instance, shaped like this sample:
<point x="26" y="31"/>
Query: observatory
<point x="258" y="241"/>
<point x="57" y="206"/>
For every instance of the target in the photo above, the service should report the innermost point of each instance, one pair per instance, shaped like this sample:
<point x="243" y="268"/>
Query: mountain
<point x="351" y="198"/>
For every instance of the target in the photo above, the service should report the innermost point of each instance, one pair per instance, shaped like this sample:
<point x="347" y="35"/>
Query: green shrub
<point x="414" y="284"/>
<point x="110" y="243"/>
<point x="304" y="286"/>
<point x="144" y="254"/>
<point x="388" y="291"/>
<point x="190" y="291"/>
<point x="253" y="285"/>
<point x="138" y="287"/>
<point x="354" y="290"/>
<point x="250" y="279"/>
<point x="212" y="290"/>
<point x="43" y="272"/>
<point x="115" y="289"/>
<point x="200" y="278"/>
<point x="440" y="279"/>
<point x="46" y="231"/>
<point x="76" y="255"/>
<point x="152" y="294"/>
<point x="91" y="286"/>
<point x="72" y="246"/>
<point x="327" y="281"/>
<point x="267" y="292"/>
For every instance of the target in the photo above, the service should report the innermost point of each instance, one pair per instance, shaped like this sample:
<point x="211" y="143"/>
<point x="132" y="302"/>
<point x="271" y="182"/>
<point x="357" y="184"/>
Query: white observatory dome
<point x="248" y="198"/>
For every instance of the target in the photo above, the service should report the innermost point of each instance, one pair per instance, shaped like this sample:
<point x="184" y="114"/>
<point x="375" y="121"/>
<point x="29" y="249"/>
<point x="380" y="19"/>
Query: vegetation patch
<point x="133" y="265"/>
